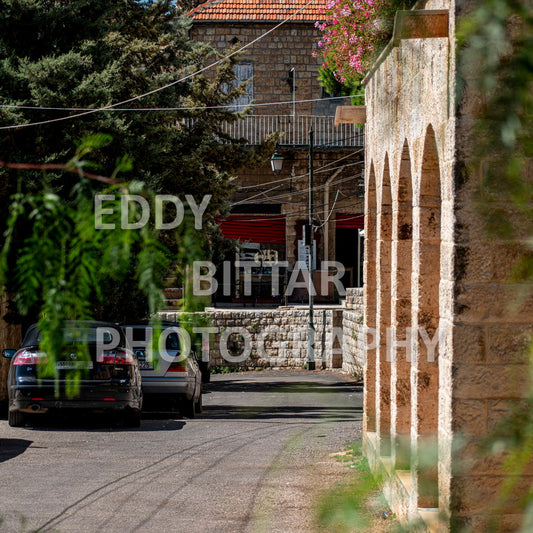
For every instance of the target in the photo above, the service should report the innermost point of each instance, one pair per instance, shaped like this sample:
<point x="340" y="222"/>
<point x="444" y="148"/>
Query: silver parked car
<point x="170" y="376"/>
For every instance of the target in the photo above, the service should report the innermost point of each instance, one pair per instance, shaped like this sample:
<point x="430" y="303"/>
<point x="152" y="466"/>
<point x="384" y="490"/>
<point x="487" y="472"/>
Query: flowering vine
<point x="353" y="32"/>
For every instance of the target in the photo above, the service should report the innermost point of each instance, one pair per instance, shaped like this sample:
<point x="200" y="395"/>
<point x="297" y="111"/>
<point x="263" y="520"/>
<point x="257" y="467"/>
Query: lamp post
<point x="276" y="162"/>
<point x="309" y="242"/>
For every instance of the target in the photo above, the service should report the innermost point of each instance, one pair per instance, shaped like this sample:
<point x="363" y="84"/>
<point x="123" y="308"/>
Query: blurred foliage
<point x="62" y="264"/>
<point x="496" y="65"/>
<point x="496" y="62"/>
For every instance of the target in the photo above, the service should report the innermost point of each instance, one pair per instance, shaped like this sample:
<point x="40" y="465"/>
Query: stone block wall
<point x="278" y="337"/>
<point x="408" y="265"/>
<point x="450" y="353"/>
<point x="492" y="333"/>
<point x="273" y="56"/>
<point x="353" y="340"/>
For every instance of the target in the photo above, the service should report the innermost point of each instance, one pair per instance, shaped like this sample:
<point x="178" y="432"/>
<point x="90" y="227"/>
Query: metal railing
<point x="295" y="130"/>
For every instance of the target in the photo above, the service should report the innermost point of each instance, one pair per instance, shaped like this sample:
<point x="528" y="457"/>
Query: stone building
<point x="269" y="211"/>
<point x="432" y="273"/>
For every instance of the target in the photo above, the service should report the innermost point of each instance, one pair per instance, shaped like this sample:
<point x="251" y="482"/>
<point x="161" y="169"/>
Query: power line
<point x="288" y="194"/>
<point x="329" y="215"/>
<point x="181" y="80"/>
<point x="321" y="169"/>
<point x="298" y="212"/>
<point x="258" y="194"/>
<point x="305" y="210"/>
<point x="167" y="109"/>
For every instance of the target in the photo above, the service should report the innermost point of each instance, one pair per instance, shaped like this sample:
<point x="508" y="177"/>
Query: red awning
<point x="261" y="228"/>
<point x="350" y="221"/>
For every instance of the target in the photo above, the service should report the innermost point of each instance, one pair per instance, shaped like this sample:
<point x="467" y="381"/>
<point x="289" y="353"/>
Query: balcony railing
<point x="295" y="130"/>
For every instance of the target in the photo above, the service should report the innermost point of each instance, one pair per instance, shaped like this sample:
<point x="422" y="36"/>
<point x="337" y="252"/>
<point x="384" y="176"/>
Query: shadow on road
<point x="297" y="387"/>
<point x="10" y="448"/>
<point x="296" y="412"/>
<point x="95" y="422"/>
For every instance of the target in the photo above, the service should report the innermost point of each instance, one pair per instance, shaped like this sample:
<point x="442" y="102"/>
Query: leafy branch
<point x="63" y="258"/>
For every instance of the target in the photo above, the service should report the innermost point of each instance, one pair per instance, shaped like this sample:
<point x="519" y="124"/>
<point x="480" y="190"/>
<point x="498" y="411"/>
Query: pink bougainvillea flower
<point x="351" y="30"/>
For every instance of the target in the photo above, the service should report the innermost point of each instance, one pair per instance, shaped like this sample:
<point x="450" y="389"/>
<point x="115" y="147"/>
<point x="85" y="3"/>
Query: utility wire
<point x="288" y="194"/>
<point x="258" y="194"/>
<point x="181" y="80"/>
<point x="305" y="212"/>
<point x="321" y="169"/>
<point x="315" y="228"/>
<point x="292" y="193"/>
<point x="164" y="109"/>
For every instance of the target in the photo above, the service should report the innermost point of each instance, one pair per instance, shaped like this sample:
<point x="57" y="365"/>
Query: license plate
<point x="74" y="365"/>
<point x="144" y="364"/>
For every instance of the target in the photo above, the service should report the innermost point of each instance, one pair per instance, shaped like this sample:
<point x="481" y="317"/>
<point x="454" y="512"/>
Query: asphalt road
<point x="248" y="464"/>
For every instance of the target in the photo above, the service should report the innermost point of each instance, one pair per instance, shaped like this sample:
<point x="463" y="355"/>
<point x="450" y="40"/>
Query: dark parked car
<point x="95" y="371"/>
<point x="170" y="377"/>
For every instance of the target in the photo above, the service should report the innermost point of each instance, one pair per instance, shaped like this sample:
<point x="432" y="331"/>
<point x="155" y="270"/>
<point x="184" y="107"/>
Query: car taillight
<point x="119" y="356"/>
<point x="180" y="366"/>
<point x="27" y="357"/>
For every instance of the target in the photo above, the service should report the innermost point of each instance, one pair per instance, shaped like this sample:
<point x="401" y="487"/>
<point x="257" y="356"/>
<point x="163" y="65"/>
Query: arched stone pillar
<point x="402" y="242"/>
<point x="425" y="318"/>
<point x="369" y="285"/>
<point x="383" y="263"/>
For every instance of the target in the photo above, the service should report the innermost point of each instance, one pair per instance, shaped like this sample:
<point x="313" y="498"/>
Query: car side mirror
<point x="9" y="353"/>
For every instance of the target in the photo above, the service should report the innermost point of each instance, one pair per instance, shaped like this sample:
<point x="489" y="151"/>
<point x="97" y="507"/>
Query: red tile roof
<point x="252" y="10"/>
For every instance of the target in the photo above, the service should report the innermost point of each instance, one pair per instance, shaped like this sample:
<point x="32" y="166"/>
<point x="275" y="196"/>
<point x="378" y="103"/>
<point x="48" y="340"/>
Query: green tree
<point x="90" y="54"/>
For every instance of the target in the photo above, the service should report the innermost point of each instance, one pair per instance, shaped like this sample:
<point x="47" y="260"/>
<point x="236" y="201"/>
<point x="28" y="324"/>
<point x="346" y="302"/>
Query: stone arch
<point x="384" y="310"/>
<point x="369" y="289"/>
<point x="426" y="372"/>
<point x="402" y="242"/>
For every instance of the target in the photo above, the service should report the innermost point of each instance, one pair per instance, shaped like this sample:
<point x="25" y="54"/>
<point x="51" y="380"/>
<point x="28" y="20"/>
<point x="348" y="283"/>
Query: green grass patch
<point x="355" y="505"/>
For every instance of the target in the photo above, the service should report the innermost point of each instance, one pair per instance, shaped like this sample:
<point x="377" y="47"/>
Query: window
<point x="243" y="72"/>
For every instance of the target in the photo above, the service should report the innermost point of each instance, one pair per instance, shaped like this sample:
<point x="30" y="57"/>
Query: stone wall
<point x="492" y="332"/>
<point x="272" y="57"/>
<point x="278" y="337"/>
<point x="431" y="268"/>
<point x="353" y="348"/>
<point x="409" y="233"/>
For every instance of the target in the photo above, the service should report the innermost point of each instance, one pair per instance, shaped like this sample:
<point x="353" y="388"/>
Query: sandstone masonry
<point x="278" y="337"/>
<point x="431" y="265"/>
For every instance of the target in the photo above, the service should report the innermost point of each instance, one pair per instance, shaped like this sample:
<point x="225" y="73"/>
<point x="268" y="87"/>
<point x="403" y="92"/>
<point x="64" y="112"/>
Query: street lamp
<point x="277" y="162"/>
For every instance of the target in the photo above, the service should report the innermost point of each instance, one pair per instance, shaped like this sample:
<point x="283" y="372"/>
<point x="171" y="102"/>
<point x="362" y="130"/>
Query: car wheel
<point x="188" y="408"/>
<point x="199" y="406"/>
<point x="132" y="419"/>
<point x="16" y="419"/>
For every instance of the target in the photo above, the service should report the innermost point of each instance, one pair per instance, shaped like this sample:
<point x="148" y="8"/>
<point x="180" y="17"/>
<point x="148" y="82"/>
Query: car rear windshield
<point x="139" y="335"/>
<point x="80" y="333"/>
